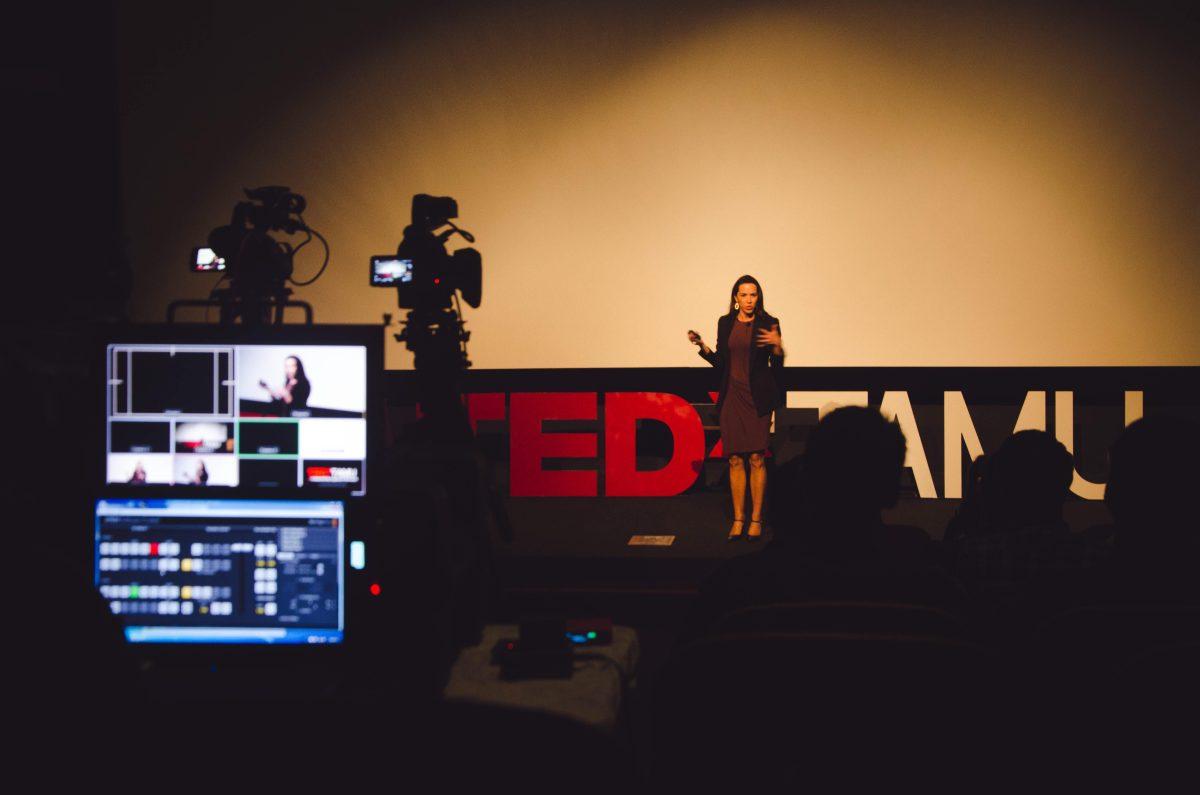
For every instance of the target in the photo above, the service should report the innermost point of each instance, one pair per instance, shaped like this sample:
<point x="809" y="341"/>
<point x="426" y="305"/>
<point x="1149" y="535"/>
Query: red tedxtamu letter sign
<point x="622" y="410"/>
<point x="583" y="441"/>
<point x="530" y="444"/>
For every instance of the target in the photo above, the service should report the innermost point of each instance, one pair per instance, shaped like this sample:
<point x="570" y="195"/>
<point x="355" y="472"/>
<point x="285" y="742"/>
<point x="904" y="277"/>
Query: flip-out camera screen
<point x="238" y="415"/>
<point x="387" y="271"/>
<point x="205" y="259"/>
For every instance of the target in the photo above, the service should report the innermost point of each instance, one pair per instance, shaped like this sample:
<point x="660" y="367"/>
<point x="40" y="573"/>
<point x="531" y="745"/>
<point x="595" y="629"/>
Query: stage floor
<point x="583" y="542"/>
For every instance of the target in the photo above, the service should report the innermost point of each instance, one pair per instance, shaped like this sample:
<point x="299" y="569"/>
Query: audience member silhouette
<point x="1019" y="534"/>
<point x="833" y="545"/>
<point x="1154" y="470"/>
<point x="1014" y="553"/>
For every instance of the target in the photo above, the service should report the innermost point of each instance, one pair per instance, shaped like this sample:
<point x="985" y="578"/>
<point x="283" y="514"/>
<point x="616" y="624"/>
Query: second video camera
<point x="424" y="274"/>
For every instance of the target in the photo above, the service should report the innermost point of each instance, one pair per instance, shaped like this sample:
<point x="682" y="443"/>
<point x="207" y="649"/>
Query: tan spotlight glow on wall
<point x="921" y="189"/>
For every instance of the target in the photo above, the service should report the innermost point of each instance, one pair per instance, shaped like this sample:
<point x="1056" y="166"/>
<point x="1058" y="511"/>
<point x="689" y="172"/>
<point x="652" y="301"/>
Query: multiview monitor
<point x="223" y="571"/>
<point x="203" y="409"/>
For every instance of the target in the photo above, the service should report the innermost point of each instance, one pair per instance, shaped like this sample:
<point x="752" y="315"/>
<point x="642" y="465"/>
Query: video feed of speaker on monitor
<point x="239" y="416"/>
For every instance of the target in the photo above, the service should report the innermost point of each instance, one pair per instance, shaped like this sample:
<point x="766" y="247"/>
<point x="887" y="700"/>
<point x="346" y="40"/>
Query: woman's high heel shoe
<point x="739" y="534"/>
<point x="755" y="536"/>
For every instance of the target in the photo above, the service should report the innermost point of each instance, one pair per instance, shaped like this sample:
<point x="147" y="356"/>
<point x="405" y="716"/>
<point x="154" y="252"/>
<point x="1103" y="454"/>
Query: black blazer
<point x="763" y="362"/>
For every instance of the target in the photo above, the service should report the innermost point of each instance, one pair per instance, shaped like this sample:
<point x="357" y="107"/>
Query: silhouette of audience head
<point x="1153" y="470"/>
<point x="852" y="466"/>
<point x="1026" y="481"/>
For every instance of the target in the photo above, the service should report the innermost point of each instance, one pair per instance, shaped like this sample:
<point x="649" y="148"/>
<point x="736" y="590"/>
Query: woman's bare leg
<point x="758" y="488"/>
<point x="737" y="487"/>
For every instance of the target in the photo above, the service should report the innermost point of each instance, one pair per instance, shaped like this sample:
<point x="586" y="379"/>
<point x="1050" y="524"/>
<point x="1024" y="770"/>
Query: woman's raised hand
<point x="771" y="337"/>
<point x="694" y="338"/>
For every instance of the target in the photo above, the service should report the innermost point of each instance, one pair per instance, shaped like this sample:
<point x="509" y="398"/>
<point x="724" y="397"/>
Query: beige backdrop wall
<point x="913" y="185"/>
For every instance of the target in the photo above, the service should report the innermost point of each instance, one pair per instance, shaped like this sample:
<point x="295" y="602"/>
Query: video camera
<point x="424" y="274"/>
<point x="257" y="265"/>
<point x="254" y="260"/>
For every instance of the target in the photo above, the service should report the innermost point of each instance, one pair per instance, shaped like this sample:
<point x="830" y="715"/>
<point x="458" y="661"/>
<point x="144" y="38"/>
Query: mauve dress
<point x="742" y="430"/>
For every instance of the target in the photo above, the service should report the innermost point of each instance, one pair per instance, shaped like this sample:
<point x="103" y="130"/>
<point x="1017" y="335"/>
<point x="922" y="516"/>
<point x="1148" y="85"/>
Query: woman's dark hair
<point x="301" y="378"/>
<point x="303" y="387"/>
<point x="746" y="279"/>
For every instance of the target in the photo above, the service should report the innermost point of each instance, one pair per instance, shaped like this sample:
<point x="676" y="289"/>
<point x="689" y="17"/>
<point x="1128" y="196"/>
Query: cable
<point x="324" y="264"/>
<point x="306" y="240"/>
<point x="225" y="274"/>
<point x="461" y="323"/>
<point x="213" y="292"/>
